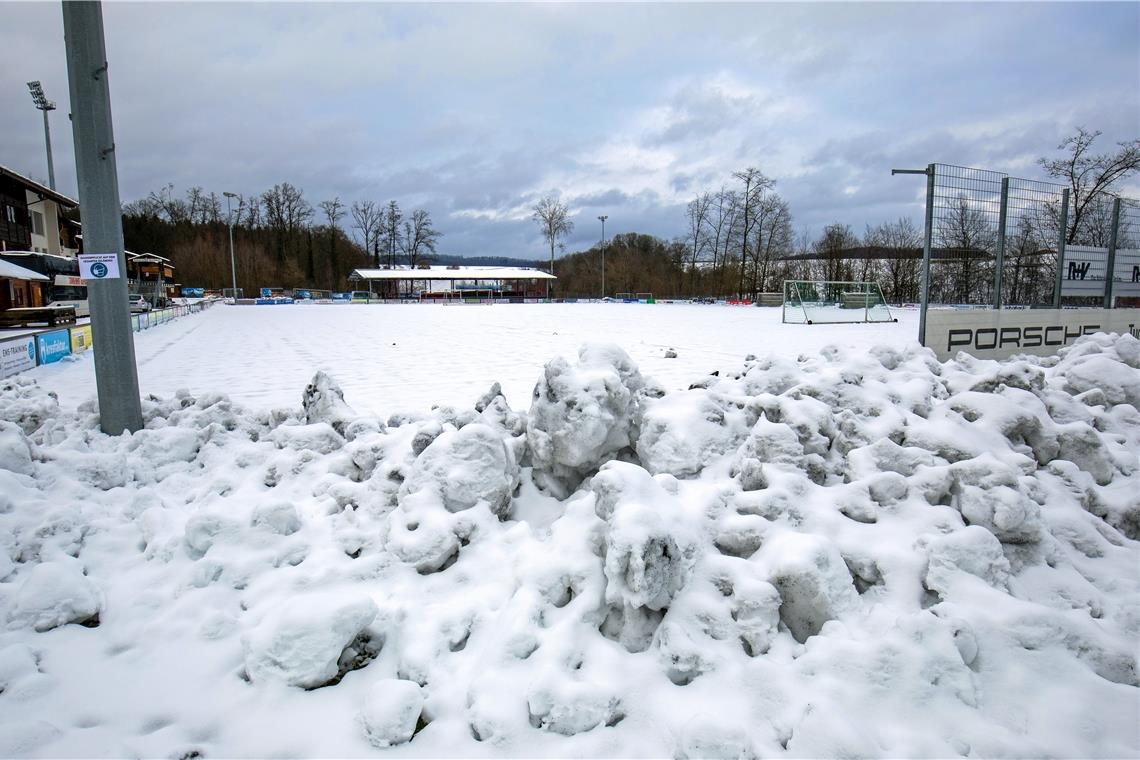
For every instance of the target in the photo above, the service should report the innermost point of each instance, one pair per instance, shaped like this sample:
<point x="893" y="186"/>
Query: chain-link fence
<point x="1004" y="241"/>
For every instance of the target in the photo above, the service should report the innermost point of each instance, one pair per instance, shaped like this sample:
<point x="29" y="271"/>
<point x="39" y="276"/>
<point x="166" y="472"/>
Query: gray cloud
<point x="474" y="111"/>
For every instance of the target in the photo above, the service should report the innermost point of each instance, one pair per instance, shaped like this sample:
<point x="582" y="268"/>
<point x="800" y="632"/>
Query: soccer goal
<point x="834" y="302"/>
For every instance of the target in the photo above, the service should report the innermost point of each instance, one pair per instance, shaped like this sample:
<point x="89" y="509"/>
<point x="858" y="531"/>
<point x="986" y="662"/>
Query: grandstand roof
<point x="454" y="273"/>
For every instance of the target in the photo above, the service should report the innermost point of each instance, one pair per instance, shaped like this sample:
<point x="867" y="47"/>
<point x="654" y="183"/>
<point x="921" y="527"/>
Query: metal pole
<point x="47" y="141"/>
<point x="1061" y="235"/>
<point x="1110" y="262"/>
<point x="999" y="267"/>
<point x="233" y="269"/>
<point x="604" y="217"/>
<point x="924" y="295"/>
<point x="116" y="377"/>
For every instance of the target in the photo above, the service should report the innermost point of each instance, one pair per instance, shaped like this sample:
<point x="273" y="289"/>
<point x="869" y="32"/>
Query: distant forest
<point x="281" y="240"/>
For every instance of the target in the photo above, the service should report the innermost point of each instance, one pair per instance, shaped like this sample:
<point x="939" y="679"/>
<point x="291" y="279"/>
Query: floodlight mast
<point x="230" y="217"/>
<point x="45" y="105"/>
<point x="603" y="219"/>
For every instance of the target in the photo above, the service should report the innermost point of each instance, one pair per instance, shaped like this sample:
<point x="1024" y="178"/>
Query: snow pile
<point x="864" y="554"/>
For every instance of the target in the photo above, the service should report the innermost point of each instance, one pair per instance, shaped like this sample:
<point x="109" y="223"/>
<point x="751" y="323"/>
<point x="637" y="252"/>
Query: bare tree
<point x="551" y="215"/>
<point x="696" y="236"/>
<point x="286" y="212"/>
<point x="368" y="219"/>
<point x="334" y="212"/>
<point x="420" y="237"/>
<point x="966" y="234"/>
<point x="1090" y="176"/>
<point x="390" y="231"/>
<point x="755" y="185"/>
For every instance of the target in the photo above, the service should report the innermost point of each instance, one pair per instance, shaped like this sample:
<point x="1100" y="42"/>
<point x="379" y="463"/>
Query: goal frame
<point x="834" y="302"/>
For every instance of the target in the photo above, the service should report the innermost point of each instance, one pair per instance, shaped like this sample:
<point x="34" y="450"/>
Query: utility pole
<point x="603" y="219"/>
<point x="45" y="105"/>
<point x="116" y="377"/>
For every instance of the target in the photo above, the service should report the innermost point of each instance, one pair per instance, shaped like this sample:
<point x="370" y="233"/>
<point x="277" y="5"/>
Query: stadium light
<point x="230" y="218"/>
<point x="603" y="219"/>
<point x="45" y="105"/>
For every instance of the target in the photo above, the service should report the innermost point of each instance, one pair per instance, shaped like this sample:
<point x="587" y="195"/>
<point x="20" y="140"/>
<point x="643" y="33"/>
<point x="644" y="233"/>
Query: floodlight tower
<point x="230" y="218"/>
<point x="45" y="105"/>
<point x="603" y="219"/>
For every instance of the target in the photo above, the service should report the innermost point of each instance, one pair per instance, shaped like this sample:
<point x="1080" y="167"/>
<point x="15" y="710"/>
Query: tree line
<point x="280" y="239"/>
<point x="739" y="240"/>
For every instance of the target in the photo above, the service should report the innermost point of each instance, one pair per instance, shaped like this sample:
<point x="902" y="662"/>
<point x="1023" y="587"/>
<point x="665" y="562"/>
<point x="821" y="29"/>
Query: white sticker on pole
<point x="99" y="266"/>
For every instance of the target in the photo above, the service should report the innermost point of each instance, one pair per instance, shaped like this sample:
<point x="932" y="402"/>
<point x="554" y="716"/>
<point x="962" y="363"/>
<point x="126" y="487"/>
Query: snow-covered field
<point x="411" y="357"/>
<point x="835" y="546"/>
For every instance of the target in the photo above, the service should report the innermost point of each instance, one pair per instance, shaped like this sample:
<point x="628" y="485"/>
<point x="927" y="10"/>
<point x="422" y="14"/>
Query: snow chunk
<point x="972" y="550"/>
<point x="278" y="517"/>
<point x="15" y="454"/>
<point x="682" y="432"/>
<point x="323" y="401"/>
<point x="466" y="467"/>
<point x="1119" y="382"/>
<point x="54" y="594"/>
<point x="1006" y="512"/>
<point x="583" y="415"/>
<point x="299" y="642"/>
<point x="813" y="580"/>
<point x="572" y="707"/>
<point x="390" y="712"/>
<point x="651" y="538"/>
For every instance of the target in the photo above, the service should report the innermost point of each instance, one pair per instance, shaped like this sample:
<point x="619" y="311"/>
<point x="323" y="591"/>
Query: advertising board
<point x="53" y="346"/>
<point x="990" y="334"/>
<point x="17" y="355"/>
<point x="1083" y="272"/>
<point x="80" y="338"/>
<point x="193" y="292"/>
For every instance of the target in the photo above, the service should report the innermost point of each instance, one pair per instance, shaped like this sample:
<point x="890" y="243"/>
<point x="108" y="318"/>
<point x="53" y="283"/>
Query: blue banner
<point x="267" y="292"/>
<point x="342" y="296"/>
<point x="302" y="294"/>
<point x="193" y="292"/>
<point x="53" y="346"/>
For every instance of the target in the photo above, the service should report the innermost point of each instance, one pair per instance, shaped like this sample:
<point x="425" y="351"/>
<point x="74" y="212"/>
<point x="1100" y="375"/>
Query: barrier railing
<point x="29" y="350"/>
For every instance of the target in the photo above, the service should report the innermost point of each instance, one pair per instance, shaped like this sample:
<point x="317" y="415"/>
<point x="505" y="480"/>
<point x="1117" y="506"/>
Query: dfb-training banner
<point x="17" y="355"/>
<point x="998" y="334"/>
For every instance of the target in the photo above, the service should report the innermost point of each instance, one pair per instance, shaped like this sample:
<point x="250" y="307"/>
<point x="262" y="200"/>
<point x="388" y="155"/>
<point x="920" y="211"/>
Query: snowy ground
<point x="822" y="551"/>
<point x="410" y="357"/>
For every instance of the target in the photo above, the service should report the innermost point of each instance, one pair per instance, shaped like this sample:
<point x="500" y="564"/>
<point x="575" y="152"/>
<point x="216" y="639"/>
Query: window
<point x="37" y="223"/>
<point x="10" y="214"/>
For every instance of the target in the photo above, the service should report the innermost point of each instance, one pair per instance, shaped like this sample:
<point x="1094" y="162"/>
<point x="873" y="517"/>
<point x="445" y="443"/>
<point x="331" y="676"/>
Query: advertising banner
<point x="193" y="292"/>
<point x="1083" y="273"/>
<point x="17" y="355"/>
<point x="990" y="334"/>
<point x="80" y="338"/>
<point x="53" y="346"/>
<point x="342" y="296"/>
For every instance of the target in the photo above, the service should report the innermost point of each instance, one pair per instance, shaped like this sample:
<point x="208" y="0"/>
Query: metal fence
<point x="1003" y="241"/>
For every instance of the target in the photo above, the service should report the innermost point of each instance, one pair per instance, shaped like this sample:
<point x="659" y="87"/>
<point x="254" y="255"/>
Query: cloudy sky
<point x="474" y="111"/>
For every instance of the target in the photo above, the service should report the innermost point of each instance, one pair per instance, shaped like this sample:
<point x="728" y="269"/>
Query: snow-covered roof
<point x="454" y="273"/>
<point x="39" y="189"/>
<point x="15" y="272"/>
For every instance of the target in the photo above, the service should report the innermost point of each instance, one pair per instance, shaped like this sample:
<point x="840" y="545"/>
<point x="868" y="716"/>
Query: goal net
<point x="834" y="302"/>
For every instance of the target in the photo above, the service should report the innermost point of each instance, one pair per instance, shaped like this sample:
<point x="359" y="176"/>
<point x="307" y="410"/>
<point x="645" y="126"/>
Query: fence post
<point x="1061" y="235"/>
<point x="1110" y="262"/>
<point x="999" y="266"/>
<point x="927" y="239"/>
